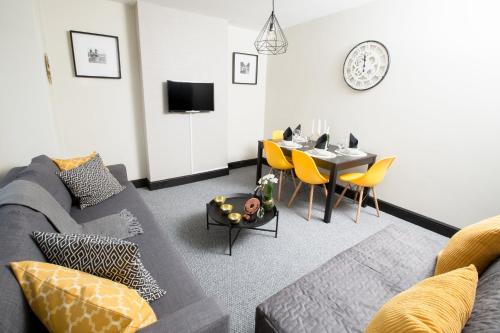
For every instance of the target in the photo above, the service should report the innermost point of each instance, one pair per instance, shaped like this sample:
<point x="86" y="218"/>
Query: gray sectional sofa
<point x="185" y="307"/>
<point x="342" y="295"/>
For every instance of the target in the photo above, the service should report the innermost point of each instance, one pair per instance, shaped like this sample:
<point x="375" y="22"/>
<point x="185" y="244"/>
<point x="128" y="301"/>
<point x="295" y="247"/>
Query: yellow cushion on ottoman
<point x="67" y="300"/>
<point x="71" y="163"/>
<point x="441" y="303"/>
<point x="477" y="244"/>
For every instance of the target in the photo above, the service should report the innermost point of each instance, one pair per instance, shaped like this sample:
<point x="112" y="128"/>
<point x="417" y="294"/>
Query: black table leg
<point x="277" y="220"/>
<point x="230" y="240"/>
<point x="260" y="147"/>
<point x="207" y="216"/>
<point x="367" y="189"/>
<point x="331" y="193"/>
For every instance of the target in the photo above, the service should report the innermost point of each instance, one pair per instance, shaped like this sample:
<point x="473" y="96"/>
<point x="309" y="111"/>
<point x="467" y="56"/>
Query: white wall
<point x="182" y="46"/>
<point x="246" y="103"/>
<point x="26" y="124"/>
<point x="438" y="109"/>
<point x="96" y="114"/>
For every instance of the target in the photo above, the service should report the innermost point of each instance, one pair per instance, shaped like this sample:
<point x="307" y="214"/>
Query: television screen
<point x="188" y="96"/>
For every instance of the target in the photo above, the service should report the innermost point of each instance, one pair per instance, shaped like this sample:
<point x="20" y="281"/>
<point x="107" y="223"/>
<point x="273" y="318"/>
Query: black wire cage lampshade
<point x="271" y="39"/>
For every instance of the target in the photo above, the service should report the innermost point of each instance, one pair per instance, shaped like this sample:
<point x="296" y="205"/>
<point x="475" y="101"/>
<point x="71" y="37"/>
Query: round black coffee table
<point x="238" y="201"/>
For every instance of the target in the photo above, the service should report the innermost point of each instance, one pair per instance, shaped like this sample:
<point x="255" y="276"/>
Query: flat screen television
<point x="189" y="96"/>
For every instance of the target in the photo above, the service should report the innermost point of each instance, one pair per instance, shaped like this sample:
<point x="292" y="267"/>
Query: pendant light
<point x="271" y="39"/>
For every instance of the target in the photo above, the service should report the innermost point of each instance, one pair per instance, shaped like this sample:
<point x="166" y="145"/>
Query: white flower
<point x="267" y="179"/>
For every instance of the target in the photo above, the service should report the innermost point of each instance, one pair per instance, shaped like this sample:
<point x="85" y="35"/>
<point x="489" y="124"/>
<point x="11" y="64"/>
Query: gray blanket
<point x="29" y="194"/>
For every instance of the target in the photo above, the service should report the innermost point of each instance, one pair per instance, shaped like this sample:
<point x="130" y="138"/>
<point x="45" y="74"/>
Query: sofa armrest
<point x="119" y="171"/>
<point x="204" y="316"/>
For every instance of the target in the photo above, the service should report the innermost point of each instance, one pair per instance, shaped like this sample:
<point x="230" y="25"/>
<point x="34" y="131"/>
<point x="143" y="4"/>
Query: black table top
<point x="340" y="161"/>
<point x="238" y="202"/>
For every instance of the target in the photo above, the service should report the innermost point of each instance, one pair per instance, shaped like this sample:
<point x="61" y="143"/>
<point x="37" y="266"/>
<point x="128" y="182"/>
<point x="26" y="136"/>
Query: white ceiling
<point x="253" y="13"/>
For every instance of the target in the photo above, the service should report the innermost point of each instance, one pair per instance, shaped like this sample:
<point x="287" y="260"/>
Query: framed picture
<point x="95" y="55"/>
<point x="245" y="67"/>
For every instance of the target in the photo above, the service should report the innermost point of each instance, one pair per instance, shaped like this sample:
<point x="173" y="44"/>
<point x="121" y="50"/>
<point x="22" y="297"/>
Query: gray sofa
<point x="185" y="307"/>
<point x="342" y="295"/>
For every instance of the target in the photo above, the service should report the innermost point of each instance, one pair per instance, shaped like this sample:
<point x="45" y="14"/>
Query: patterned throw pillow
<point x="106" y="257"/>
<point x="91" y="182"/>
<point x="67" y="300"/>
<point x="71" y="163"/>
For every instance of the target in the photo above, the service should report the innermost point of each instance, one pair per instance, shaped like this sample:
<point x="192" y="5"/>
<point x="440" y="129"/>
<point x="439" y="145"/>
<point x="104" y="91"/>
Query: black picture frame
<point x="235" y="54"/>
<point x="75" y="66"/>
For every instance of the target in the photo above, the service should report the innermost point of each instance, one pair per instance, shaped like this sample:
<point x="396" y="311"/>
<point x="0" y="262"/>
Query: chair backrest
<point x="305" y="168"/>
<point x="376" y="173"/>
<point x="277" y="135"/>
<point x="275" y="157"/>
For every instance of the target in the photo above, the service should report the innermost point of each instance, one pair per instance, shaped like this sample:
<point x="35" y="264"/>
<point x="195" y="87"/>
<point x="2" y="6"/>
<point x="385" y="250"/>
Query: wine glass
<point x="307" y="140"/>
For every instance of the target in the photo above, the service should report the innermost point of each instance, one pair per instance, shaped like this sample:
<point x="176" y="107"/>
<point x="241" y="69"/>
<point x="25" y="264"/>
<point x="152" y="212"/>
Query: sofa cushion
<point x="158" y="253"/>
<point x="91" y="183"/>
<point x="343" y="294"/>
<point x="16" y="224"/>
<point x="106" y="257"/>
<point x="71" y="163"/>
<point x="441" y="303"/>
<point x="477" y="244"/>
<point x="43" y="172"/>
<point x="68" y="300"/>
<point x="486" y="312"/>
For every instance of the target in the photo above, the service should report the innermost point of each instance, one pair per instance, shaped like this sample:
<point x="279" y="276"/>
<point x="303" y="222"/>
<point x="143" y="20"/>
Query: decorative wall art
<point x="95" y="55"/>
<point x="245" y="67"/>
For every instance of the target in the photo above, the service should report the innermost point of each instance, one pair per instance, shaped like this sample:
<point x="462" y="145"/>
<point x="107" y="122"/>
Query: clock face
<point x="366" y="65"/>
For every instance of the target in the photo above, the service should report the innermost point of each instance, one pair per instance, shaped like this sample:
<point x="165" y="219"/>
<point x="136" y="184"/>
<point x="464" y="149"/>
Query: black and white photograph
<point x="245" y="68"/>
<point x="95" y="55"/>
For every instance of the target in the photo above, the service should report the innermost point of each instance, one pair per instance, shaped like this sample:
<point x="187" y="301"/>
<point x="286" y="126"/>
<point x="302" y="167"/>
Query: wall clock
<point x="366" y="65"/>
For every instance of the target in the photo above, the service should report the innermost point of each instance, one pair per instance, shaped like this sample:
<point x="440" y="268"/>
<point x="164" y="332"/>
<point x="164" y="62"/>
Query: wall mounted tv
<point x="190" y="97"/>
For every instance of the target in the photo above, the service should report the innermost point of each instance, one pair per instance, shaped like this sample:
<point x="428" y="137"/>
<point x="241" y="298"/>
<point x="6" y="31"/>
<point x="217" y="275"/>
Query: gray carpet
<point x="260" y="265"/>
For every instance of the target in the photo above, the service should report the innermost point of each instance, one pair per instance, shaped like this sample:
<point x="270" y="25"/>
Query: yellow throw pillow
<point x="441" y="303"/>
<point x="71" y="163"/>
<point x="67" y="300"/>
<point x="477" y="244"/>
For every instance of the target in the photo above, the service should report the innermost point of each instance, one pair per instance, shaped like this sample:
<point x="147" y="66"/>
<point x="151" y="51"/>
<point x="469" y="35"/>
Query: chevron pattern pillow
<point x="91" y="183"/>
<point x="106" y="257"/>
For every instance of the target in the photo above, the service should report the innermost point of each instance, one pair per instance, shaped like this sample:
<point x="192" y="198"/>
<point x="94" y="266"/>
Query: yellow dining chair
<point x="277" y="161"/>
<point x="277" y="135"/>
<point x="374" y="176"/>
<point x="307" y="172"/>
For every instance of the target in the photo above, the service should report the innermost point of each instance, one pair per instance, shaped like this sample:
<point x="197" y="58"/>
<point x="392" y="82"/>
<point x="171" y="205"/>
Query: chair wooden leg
<point x="356" y="194"/>
<point x="376" y="201"/>
<point x="279" y="185"/>
<point x="325" y="191"/>
<point x="270" y="171"/>
<point x="294" y="194"/>
<point x="293" y="178"/>
<point x="311" y="196"/>
<point x="337" y="203"/>
<point x="359" y="203"/>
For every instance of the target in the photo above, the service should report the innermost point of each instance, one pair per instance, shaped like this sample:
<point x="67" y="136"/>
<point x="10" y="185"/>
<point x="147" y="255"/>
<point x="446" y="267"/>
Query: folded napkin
<point x="288" y="134"/>
<point x="353" y="142"/>
<point x="322" y="142"/>
<point x="297" y="130"/>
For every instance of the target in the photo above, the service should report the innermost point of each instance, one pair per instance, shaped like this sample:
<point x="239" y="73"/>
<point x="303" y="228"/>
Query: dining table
<point x="334" y="164"/>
